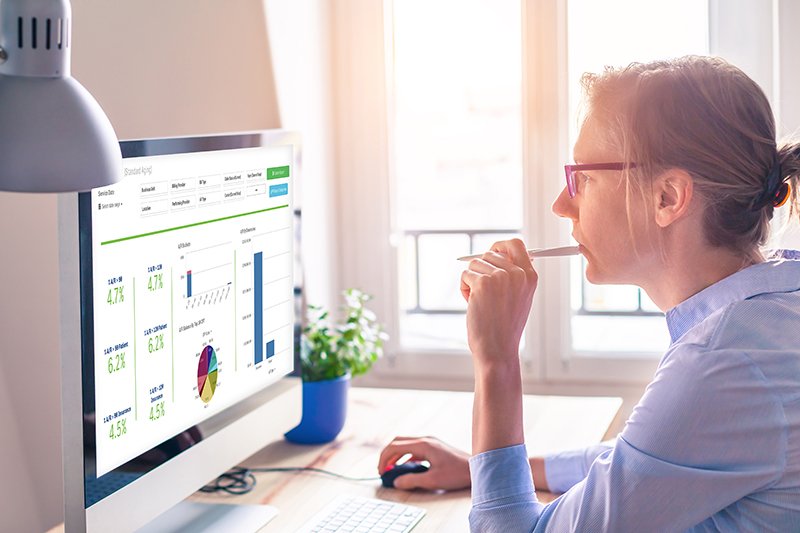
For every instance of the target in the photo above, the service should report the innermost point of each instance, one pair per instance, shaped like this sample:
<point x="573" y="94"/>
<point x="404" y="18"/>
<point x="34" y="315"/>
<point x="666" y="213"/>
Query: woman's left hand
<point x="499" y="289"/>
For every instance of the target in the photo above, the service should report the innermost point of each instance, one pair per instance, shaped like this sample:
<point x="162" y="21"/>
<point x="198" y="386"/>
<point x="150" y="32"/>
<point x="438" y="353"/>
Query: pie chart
<point x="207" y="374"/>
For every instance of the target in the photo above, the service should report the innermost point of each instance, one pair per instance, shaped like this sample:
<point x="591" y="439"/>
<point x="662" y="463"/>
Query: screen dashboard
<point x="191" y="304"/>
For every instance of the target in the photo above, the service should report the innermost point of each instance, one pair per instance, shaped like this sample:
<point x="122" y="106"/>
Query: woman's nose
<point x="564" y="206"/>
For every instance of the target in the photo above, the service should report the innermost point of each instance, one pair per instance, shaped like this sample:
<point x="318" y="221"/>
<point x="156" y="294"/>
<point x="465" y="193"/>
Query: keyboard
<point x="364" y="515"/>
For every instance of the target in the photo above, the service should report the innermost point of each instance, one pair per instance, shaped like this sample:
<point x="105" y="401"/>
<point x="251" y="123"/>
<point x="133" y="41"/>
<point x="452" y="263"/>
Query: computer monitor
<point x="177" y="300"/>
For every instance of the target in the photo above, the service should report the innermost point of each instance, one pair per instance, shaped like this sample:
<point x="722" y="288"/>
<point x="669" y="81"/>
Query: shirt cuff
<point x="564" y="469"/>
<point x="501" y="473"/>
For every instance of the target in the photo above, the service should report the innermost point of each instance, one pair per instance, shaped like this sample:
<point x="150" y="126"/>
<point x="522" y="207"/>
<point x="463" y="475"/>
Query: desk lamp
<point x="54" y="137"/>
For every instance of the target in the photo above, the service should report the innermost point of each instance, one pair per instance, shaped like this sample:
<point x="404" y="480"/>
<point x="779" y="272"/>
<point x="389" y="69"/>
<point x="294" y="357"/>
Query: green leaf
<point x="329" y="351"/>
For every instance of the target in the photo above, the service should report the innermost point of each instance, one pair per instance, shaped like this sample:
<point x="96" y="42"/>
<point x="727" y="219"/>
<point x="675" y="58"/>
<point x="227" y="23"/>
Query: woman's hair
<point x="707" y="117"/>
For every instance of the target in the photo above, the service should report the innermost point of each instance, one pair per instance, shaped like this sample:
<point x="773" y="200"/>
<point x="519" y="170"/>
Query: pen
<point x="538" y="252"/>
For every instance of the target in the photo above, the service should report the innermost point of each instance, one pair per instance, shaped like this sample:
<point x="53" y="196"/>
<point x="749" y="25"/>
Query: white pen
<point x="538" y="252"/>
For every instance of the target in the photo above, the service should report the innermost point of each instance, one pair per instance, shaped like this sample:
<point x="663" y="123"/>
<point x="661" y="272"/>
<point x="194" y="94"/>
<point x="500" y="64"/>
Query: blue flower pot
<point x="324" y="411"/>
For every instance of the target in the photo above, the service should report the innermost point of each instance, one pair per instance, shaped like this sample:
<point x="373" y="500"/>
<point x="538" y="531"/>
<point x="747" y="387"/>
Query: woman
<point x="677" y="177"/>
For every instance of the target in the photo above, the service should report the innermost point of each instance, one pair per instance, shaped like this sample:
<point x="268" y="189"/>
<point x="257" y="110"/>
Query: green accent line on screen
<point x="235" y="326"/>
<point x="135" y="386"/>
<point x="201" y="223"/>
<point x="172" y="333"/>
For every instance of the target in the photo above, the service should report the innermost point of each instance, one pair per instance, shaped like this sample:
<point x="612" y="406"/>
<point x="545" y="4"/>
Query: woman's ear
<point x="673" y="191"/>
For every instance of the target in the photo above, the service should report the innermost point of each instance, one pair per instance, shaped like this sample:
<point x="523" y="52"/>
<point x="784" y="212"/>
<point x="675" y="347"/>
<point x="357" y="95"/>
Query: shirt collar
<point x="780" y="274"/>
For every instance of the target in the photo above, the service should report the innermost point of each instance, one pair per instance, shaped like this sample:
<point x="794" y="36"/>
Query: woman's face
<point x="599" y="213"/>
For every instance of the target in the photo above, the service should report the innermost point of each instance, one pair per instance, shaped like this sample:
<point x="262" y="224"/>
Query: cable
<point x="235" y="481"/>
<point x="317" y="470"/>
<point x="240" y="480"/>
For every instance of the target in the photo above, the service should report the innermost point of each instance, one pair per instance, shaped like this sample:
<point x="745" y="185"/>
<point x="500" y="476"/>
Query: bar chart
<point x="271" y="293"/>
<point x="258" y="306"/>
<point x="208" y="275"/>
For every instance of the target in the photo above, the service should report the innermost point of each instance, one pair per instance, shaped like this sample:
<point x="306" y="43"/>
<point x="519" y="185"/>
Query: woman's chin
<point x="597" y="276"/>
<point x="593" y="275"/>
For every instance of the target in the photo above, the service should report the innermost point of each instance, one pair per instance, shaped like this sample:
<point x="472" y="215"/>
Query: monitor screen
<point x="187" y="297"/>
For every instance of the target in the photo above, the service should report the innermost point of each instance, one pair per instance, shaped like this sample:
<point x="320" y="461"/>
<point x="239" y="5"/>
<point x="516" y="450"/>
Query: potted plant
<point x="330" y="355"/>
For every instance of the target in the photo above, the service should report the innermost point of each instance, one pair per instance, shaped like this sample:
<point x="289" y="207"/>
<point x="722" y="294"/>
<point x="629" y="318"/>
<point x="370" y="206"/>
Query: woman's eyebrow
<point x="577" y="154"/>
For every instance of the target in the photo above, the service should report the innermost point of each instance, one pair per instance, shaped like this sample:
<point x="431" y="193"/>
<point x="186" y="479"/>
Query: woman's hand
<point x="499" y="289"/>
<point x="449" y="466"/>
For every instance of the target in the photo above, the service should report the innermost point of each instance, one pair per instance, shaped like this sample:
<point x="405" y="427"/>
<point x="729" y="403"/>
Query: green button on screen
<point x="277" y="172"/>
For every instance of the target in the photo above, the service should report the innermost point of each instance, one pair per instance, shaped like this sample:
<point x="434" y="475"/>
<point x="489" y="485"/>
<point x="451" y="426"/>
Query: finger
<point x="496" y="261"/>
<point x="515" y="250"/>
<point x="392" y="452"/>
<point x="395" y="451"/>
<point x="388" y="459"/>
<point x="424" y="480"/>
<point x="484" y="266"/>
<point x="468" y="279"/>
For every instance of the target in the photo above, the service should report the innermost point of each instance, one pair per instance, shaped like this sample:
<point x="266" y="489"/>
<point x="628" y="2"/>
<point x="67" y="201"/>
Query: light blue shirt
<point x="713" y="445"/>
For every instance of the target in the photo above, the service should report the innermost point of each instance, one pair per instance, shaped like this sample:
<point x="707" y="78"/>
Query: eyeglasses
<point x="570" y="171"/>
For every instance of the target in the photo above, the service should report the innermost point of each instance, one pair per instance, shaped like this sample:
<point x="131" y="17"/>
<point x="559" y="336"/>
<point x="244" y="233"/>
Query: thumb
<point x="412" y="481"/>
<point x="515" y="250"/>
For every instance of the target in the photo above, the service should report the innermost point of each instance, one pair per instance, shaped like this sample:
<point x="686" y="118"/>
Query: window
<point x="459" y="118"/>
<point x="456" y="138"/>
<point x="456" y="134"/>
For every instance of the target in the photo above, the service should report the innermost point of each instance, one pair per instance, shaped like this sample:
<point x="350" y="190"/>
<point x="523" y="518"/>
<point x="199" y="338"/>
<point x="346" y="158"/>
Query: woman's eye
<point x="580" y="180"/>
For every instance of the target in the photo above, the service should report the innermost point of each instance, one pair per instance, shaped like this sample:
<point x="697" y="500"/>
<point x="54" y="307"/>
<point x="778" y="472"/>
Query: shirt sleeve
<point x="564" y="469"/>
<point x="502" y="490"/>
<point x="707" y="432"/>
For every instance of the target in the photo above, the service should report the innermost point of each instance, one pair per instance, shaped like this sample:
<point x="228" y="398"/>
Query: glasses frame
<point x="570" y="171"/>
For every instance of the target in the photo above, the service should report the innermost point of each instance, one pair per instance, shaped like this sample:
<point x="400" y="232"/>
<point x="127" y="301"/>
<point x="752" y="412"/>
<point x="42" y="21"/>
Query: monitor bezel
<point x="172" y="481"/>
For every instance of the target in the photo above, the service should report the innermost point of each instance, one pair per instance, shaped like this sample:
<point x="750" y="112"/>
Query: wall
<point x="176" y="68"/>
<point x="30" y="395"/>
<point x="158" y="69"/>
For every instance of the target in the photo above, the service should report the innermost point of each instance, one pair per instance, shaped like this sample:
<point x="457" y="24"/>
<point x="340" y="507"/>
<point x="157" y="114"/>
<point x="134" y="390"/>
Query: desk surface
<point x="375" y="416"/>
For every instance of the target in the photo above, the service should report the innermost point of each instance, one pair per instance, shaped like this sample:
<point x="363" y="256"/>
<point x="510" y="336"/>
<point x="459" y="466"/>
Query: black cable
<point x="240" y="480"/>
<point x="236" y="481"/>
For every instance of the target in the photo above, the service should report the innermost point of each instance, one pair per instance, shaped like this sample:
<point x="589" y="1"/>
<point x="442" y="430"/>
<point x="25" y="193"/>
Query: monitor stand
<point x="196" y="517"/>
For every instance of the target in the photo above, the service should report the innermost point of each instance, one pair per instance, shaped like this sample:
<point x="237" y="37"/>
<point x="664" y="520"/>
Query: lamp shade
<point x="54" y="137"/>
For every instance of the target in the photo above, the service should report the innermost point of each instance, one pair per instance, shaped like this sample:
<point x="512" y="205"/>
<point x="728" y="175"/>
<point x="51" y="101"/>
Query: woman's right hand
<point x="449" y="468"/>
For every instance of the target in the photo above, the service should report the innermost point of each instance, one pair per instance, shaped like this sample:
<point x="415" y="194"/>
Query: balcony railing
<point x="472" y="234"/>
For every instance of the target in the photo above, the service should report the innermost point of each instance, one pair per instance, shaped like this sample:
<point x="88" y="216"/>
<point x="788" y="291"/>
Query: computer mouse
<point x="409" y="467"/>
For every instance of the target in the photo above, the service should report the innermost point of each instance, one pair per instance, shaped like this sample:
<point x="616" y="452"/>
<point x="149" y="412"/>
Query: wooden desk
<point x="375" y="416"/>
